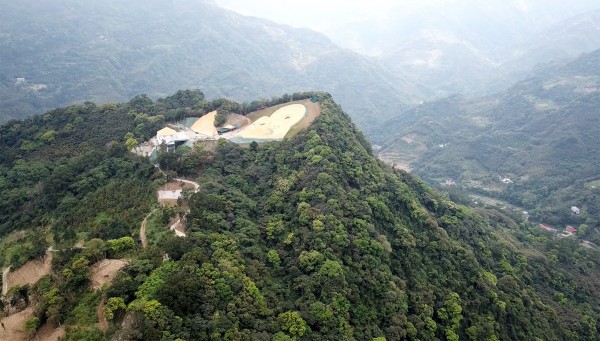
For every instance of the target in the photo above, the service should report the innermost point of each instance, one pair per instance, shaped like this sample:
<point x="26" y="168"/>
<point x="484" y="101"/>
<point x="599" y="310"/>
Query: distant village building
<point x="226" y="128"/>
<point x="169" y="195"/>
<point x="505" y="180"/>
<point x="575" y="209"/>
<point x="20" y="81"/>
<point x="571" y="229"/>
<point x="450" y="182"/>
<point x="546" y="228"/>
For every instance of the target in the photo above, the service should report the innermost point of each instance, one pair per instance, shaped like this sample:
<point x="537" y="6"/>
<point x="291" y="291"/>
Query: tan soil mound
<point x="206" y="124"/>
<point x="104" y="271"/>
<point x="277" y="125"/>
<point x="30" y="272"/>
<point x="14" y="326"/>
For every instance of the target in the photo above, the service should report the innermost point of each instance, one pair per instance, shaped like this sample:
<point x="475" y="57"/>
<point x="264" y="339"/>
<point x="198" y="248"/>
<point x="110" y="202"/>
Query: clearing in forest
<point x="275" y="126"/>
<point x="14" y="328"/>
<point x="105" y="271"/>
<point x="171" y="191"/>
<point x="14" y="325"/>
<point x="30" y="272"/>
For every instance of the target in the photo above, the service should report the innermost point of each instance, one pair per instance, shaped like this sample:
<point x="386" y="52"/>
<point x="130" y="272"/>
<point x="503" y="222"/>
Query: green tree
<point x="112" y="305"/>
<point x="273" y="258"/>
<point x="31" y="325"/>
<point x="292" y="322"/>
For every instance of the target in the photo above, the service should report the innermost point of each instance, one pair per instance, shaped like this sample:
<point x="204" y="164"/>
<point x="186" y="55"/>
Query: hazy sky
<point x="324" y="15"/>
<point x="359" y="24"/>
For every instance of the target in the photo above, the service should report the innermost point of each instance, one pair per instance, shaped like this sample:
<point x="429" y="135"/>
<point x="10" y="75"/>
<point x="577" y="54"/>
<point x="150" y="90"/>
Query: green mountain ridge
<point x="311" y="238"/>
<point x="541" y="133"/>
<point x="61" y="52"/>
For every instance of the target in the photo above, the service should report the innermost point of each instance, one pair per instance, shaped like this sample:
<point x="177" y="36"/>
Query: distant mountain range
<point x="542" y="134"/>
<point x="474" y="47"/>
<point x="57" y="52"/>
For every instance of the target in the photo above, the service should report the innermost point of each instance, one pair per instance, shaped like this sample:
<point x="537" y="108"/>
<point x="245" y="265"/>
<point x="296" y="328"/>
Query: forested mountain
<point x="58" y="52"/>
<point x="542" y="134"/>
<point x="311" y="238"/>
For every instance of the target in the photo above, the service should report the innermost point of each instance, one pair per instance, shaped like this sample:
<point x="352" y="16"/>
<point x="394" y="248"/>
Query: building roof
<point x="189" y="122"/>
<point x="546" y="227"/>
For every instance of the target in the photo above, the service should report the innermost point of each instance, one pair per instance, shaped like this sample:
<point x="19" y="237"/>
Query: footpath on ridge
<point x="143" y="236"/>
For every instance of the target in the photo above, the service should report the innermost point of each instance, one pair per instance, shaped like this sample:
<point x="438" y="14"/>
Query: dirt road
<point x="143" y="238"/>
<point x="195" y="184"/>
<point x="5" y="280"/>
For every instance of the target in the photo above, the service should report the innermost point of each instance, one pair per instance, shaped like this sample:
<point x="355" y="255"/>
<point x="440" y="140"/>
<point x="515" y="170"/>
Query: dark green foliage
<point x="313" y="238"/>
<point x="309" y="239"/>
<point x="221" y="117"/>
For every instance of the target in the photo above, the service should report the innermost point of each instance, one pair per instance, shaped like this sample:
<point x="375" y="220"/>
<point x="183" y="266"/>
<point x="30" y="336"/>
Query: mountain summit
<point x="309" y="238"/>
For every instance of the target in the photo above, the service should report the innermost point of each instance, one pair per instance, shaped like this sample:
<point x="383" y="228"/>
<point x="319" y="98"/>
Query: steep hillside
<point x="310" y="238"/>
<point x="58" y="52"/>
<point x="542" y="134"/>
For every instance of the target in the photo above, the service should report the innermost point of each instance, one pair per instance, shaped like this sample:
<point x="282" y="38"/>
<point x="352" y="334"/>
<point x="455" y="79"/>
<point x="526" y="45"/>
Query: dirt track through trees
<point x="102" y="322"/>
<point x="5" y="280"/>
<point x="143" y="238"/>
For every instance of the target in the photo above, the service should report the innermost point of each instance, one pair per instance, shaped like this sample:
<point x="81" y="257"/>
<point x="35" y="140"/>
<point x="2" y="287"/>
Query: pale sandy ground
<point x="14" y="328"/>
<point x="5" y="273"/>
<point x="173" y="194"/>
<point x="29" y="273"/>
<point x="105" y="271"/>
<point x="206" y="124"/>
<point x="275" y="126"/>
<point x="171" y="191"/>
<point x="15" y="325"/>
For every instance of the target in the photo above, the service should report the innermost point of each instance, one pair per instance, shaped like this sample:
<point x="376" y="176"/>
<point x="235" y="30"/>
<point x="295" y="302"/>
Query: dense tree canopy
<point x="310" y="238"/>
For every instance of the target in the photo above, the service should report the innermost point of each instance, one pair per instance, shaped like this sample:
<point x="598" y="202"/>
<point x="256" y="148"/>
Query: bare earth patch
<point x="410" y="138"/>
<point x="169" y="192"/>
<point x="237" y="120"/>
<point x="277" y="125"/>
<point x="49" y="333"/>
<point x="177" y="226"/>
<point x="14" y="325"/>
<point x="30" y="272"/>
<point x="14" y="328"/>
<point x="104" y="271"/>
<point x="206" y="124"/>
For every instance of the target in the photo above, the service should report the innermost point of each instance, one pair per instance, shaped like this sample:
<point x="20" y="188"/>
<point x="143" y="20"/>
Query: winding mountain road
<point x="195" y="184"/>
<point x="143" y="237"/>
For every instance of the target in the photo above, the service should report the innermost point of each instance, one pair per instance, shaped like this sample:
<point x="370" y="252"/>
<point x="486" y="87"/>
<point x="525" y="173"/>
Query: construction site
<point x="268" y="124"/>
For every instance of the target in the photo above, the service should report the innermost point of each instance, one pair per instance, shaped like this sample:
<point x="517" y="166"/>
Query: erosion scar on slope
<point x="5" y="280"/>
